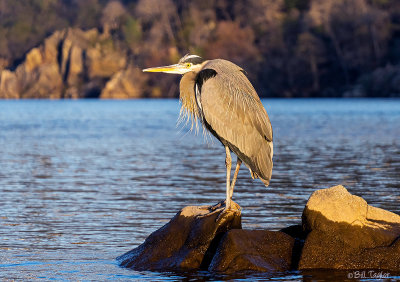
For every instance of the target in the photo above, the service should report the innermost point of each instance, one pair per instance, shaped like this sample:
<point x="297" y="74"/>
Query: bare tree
<point x="311" y="49"/>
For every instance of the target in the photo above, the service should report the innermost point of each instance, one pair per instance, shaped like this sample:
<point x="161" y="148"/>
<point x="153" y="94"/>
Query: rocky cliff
<point x="74" y="64"/>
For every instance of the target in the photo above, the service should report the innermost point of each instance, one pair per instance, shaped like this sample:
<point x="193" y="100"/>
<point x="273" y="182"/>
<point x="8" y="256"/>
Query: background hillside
<point x="290" y="48"/>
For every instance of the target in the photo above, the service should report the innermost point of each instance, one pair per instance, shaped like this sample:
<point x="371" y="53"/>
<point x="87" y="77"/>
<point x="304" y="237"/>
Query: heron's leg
<point x="238" y="163"/>
<point x="228" y="163"/>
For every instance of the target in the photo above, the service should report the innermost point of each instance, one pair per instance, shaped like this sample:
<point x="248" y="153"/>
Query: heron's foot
<point x="214" y="207"/>
<point x="223" y="212"/>
<point x="212" y="211"/>
<point x="221" y="209"/>
<point x="232" y="209"/>
<point x="217" y="206"/>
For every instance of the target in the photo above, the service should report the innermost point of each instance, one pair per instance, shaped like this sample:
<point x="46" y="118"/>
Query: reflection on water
<point x="82" y="182"/>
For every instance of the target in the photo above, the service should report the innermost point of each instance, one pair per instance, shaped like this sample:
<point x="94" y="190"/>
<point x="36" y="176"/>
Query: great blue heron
<point x="218" y="93"/>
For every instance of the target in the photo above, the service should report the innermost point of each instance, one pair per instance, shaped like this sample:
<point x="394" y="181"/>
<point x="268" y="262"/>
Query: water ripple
<point x="94" y="178"/>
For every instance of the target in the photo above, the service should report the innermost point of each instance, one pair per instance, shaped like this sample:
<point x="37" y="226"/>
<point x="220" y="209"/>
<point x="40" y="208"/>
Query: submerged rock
<point x="347" y="233"/>
<point x="182" y="243"/>
<point x="257" y="250"/>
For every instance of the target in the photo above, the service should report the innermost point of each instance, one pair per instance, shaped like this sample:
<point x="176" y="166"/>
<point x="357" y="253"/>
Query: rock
<point x="104" y="60"/>
<point x="339" y="231"/>
<point x="299" y="236"/>
<point x="33" y="60"/>
<point x="256" y="250"/>
<point x="71" y="93"/>
<point x="125" y="84"/>
<point x="71" y="63"/>
<point x="347" y="233"/>
<point x="8" y="85"/>
<point x="3" y="63"/>
<point x="92" y="89"/>
<point x="51" y="47"/>
<point x="41" y="82"/>
<point x="38" y="76"/>
<point x="184" y="243"/>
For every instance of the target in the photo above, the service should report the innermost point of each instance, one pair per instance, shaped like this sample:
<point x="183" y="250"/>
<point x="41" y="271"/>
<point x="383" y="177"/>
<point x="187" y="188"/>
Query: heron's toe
<point x="225" y="212"/>
<point x="221" y="209"/>
<point x="211" y="212"/>
<point x="217" y="206"/>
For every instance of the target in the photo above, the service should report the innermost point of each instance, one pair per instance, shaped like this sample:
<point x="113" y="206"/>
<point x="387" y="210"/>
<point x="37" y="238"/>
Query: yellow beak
<point x="177" y="69"/>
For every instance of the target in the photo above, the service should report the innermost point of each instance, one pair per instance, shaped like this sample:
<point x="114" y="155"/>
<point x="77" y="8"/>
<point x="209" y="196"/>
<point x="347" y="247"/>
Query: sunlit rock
<point x="339" y="231"/>
<point x="347" y="233"/>
<point x="103" y="59"/>
<point x="71" y="63"/>
<point x="125" y="84"/>
<point x="184" y="243"/>
<point x="33" y="60"/>
<point x="8" y="85"/>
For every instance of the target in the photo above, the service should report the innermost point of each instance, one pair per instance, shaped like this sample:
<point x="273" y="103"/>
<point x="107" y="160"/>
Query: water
<point x="84" y="181"/>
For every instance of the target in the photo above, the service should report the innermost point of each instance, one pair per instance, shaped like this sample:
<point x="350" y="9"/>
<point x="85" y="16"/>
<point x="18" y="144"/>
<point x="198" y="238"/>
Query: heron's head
<point x="186" y="64"/>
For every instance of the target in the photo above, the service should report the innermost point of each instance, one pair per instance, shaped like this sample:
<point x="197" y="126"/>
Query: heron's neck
<point x="188" y="98"/>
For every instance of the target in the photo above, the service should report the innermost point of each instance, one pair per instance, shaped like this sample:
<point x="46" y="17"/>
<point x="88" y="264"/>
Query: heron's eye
<point x="188" y="65"/>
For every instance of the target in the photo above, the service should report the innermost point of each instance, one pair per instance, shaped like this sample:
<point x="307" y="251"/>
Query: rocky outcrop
<point x="347" y="233"/>
<point x="37" y="77"/>
<point x="184" y="242"/>
<point x="256" y="250"/>
<point x="338" y="231"/>
<point x="8" y="85"/>
<point x="125" y="84"/>
<point x="70" y="64"/>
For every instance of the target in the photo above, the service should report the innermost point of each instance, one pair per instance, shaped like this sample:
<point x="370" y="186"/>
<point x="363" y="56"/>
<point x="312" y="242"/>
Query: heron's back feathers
<point x="233" y="112"/>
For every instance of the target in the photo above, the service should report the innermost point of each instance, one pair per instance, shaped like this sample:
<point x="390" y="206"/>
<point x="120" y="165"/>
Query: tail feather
<point x="264" y="163"/>
<point x="265" y="181"/>
<point x="255" y="176"/>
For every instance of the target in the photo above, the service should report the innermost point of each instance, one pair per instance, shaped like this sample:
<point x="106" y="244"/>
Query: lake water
<point x="82" y="182"/>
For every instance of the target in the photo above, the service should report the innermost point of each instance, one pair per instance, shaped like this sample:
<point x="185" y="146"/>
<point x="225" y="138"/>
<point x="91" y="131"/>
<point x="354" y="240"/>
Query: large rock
<point x="104" y="60"/>
<point x="347" y="233"/>
<point x="125" y="84"/>
<point x="71" y="63"/>
<point x="253" y="250"/>
<point x="339" y="231"/>
<point x="8" y="85"/>
<point x="38" y="76"/>
<point x="183" y="243"/>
